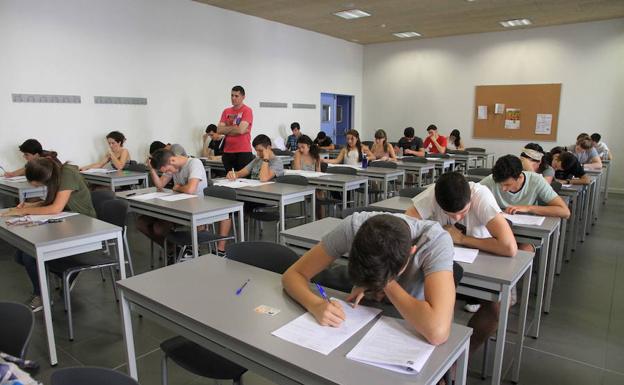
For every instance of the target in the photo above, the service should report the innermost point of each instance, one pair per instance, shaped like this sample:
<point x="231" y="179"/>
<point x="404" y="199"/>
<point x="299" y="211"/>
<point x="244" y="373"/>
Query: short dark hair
<point x="160" y="158"/>
<point x="596" y="137"/>
<point x="582" y="135"/>
<point x="294" y="125"/>
<point x="432" y="127"/>
<point x="380" y="249"/>
<point x="261" y="140"/>
<point x="211" y="128"/>
<point x="117" y="137"/>
<point x="508" y="166"/>
<point x="568" y="161"/>
<point x="585" y="143"/>
<point x="321" y="135"/>
<point x="452" y="192"/>
<point x="31" y="146"/>
<point x="239" y="89"/>
<point x="156" y="145"/>
<point x="408" y="132"/>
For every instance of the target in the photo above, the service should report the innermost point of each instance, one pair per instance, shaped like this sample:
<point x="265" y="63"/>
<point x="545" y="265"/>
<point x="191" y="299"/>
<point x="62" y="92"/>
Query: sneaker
<point x="472" y="307"/>
<point x="35" y="303"/>
<point x="221" y="253"/>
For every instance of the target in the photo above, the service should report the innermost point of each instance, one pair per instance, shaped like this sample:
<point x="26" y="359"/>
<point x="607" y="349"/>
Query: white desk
<point x="116" y="179"/>
<point x="21" y="190"/>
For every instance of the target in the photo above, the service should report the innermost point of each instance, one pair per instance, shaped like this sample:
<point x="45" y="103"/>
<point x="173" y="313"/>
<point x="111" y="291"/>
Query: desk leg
<point x="571" y="244"/>
<point x="21" y="196"/>
<point x="241" y="225"/>
<point x="403" y="180"/>
<point x="606" y="188"/>
<point x="344" y="197"/>
<point x="524" y="304"/>
<point x="194" y="242"/>
<point x="461" y="369"/>
<point x="112" y="185"/>
<point x="562" y="245"/>
<point x="47" y="314"/>
<point x="541" y="283"/>
<point x="128" y="335"/>
<point x="282" y="214"/>
<point x="145" y="182"/>
<point x="552" y="260"/>
<point x="120" y="256"/>
<point x="385" y="190"/>
<point x="313" y="208"/>
<point x="500" y="335"/>
<point x="366" y="194"/>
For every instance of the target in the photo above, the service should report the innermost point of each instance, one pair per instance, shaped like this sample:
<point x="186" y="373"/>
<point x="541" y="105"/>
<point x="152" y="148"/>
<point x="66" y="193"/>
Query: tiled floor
<point x="581" y="340"/>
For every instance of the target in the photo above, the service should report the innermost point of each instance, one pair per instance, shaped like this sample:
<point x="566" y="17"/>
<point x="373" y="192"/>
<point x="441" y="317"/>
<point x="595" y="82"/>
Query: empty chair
<point x="90" y="375"/>
<point x="411" y="192"/>
<point x="474" y="178"/>
<point x="376" y="189"/>
<point x="333" y="199"/>
<point x="98" y="197"/>
<point x="138" y="167"/>
<point x="17" y="322"/>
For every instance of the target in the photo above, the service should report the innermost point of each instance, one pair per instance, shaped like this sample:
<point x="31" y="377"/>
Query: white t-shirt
<point x="483" y="208"/>
<point x="192" y="169"/>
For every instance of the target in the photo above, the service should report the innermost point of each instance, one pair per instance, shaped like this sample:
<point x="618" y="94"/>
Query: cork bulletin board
<point x="535" y="105"/>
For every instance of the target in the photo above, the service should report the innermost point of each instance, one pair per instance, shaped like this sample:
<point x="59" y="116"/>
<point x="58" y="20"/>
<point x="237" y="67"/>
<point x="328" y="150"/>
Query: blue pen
<point x="240" y="289"/>
<point x="322" y="291"/>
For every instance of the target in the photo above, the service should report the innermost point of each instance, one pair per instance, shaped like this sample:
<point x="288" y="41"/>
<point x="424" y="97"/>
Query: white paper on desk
<point x="391" y="344"/>
<point x="147" y="196"/>
<point x="40" y="218"/>
<point x="14" y="179"/>
<point x="307" y="174"/>
<point x="177" y="197"/>
<point x="99" y="171"/>
<point x="520" y="219"/>
<point x="566" y="185"/>
<point x="463" y="254"/>
<point x="305" y="330"/>
<point x="238" y="183"/>
<point x="344" y="165"/>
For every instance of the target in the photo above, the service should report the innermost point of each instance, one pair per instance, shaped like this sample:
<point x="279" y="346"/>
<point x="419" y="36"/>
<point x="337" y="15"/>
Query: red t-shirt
<point x="233" y="117"/>
<point x="430" y="147"/>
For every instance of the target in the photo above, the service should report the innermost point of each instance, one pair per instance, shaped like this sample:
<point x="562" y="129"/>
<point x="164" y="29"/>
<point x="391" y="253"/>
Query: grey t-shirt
<point x="548" y="171"/>
<point x="585" y="156"/>
<point x="254" y="166"/>
<point x="192" y="169"/>
<point x="434" y="248"/>
<point x="535" y="190"/>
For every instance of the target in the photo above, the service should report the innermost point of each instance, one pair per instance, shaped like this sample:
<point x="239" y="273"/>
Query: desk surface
<point x="20" y="186"/>
<point x="198" y="205"/>
<point x="114" y="175"/>
<point x="277" y="189"/>
<point x="213" y="311"/>
<point x="394" y="204"/>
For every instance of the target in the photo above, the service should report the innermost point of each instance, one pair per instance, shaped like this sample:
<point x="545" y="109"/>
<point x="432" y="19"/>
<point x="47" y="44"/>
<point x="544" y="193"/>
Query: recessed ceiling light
<point x="352" y="14"/>
<point x="515" y="23"/>
<point x="404" y="35"/>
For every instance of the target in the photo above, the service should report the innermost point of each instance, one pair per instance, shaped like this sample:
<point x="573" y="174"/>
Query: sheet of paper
<point x="14" y="179"/>
<point x="40" y="218"/>
<point x="305" y="331"/>
<point x="543" y="124"/>
<point x="512" y="118"/>
<point x="344" y="165"/>
<point x="147" y="196"/>
<point x="499" y="108"/>
<point x="177" y="197"/>
<point x="392" y="344"/>
<point x="482" y="112"/>
<point x="238" y="183"/>
<point x="520" y="219"/>
<point x="463" y="254"/>
<point x="566" y="185"/>
<point x="307" y="174"/>
<point x="99" y="171"/>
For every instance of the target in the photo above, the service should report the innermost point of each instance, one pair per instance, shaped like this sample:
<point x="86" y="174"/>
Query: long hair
<point x="381" y="134"/>
<point x="455" y="134"/>
<point x="314" y="149"/>
<point x="358" y="144"/>
<point x="47" y="172"/>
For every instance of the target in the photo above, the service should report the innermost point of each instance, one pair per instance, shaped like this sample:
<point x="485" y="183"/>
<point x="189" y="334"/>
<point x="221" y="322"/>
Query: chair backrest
<point x="482" y="171"/>
<point x="324" y="167"/>
<point x="265" y="255"/>
<point x="292" y="179"/>
<point x="556" y="186"/>
<point x="17" y="322"/>
<point x="98" y="197"/>
<point x="475" y="149"/>
<point x="458" y="152"/>
<point x="342" y="170"/>
<point x="474" y="178"/>
<point x="368" y="143"/>
<point x="439" y="156"/>
<point x="414" y="159"/>
<point x="411" y="192"/>
<point x="91" y="376"/>
<point x="115" y="212"/>
<point x="346" y="212"/>
<point x="139" y="167"/>
<point x="338" y="146"/>
<point x="277" y="151"/>
<point x="383" y="164"/>
<point x="220" y="192"/>
<point x="458" y="273"/>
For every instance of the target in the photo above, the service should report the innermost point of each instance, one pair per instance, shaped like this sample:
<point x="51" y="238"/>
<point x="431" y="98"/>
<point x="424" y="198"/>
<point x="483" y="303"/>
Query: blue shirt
<point x="291" y="142"/>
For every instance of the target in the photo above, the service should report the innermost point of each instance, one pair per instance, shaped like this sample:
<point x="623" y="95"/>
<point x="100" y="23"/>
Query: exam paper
<point x="307" y="174"/>
<point x="14" y="179"/>
<point x="463" y="254"/>
<point x="392" y="344"/>
<point x="99" y="171"/>
<point x="147" y="196"/>
<point x="305" y="331"/>
<point x="520" y="219"/>
<point x="40" y="218"/>
<point x="238" y="183"/>
<point x="177" y="197"/>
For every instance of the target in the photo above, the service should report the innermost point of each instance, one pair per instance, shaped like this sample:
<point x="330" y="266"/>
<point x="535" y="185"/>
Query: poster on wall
<point x="512" y="118"/>
<point x="543" y="124"/>
<point x="482" y="112"/>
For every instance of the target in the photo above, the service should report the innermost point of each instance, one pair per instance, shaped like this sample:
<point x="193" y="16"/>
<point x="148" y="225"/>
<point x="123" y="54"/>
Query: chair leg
<point x="112" y="273"/>
<point x="102" y="275"/>
<point x="128" y="256"/>
<point x="164" y="373"/>
<point x="152" y="254"/>
<point x="66" y="293"/>
<point x="485" y="358"/>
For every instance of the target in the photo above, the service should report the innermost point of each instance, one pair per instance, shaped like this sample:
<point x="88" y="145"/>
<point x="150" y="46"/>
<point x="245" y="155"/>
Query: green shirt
<point x="534" y="191"/>
<point x="80" y="198"/>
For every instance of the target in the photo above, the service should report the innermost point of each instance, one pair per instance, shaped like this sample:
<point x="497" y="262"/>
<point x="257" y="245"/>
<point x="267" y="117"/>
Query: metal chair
<point x="334" y="200"/>
<point x="474" y="149"/>
<point x="457" y="152"/>
<point x="17" y="322"/>
<point x="481" y="171"/>
<point x="91" y="376"/>
<point x="98" y="197"/>
<point x="279" y="152"/>
<point x="438" y="156"/>
<point x="264" y="255"/>
<point x="414" y="159"/>
<point x="411" y="192"/>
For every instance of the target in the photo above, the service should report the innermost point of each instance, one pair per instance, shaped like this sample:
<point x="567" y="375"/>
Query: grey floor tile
<point x="611" y="378"/>
<point x="544" y="369"/>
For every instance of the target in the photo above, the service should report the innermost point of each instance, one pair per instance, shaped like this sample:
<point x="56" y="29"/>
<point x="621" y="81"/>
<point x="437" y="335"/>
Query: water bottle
<point x="364" y="161"/>
<point x="400" y="151"/>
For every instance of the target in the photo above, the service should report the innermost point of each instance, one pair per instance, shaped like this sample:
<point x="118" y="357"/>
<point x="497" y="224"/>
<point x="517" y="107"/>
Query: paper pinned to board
<point x="543" y="124"/>
<point x="499" y="108"/>
<point x="482" y="112"/>
<point x="512" y="118"/>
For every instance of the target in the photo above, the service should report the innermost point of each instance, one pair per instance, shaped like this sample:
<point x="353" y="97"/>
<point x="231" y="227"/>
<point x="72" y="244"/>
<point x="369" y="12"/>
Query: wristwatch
<point x="266" y="160"/>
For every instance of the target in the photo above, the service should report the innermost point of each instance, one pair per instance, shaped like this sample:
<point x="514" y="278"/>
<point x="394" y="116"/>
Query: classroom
<point x="278" y="192"/>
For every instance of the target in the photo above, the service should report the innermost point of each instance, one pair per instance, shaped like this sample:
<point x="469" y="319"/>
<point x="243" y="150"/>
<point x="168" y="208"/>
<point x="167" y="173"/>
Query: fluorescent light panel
<point x="404" y="35"/>
<point x="352" y="14"/>
<point x="515" y="23"/>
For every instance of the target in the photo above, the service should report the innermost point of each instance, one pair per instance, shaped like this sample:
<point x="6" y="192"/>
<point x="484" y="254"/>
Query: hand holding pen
<point x="327" y="312"/>
<point x="232" y="175"/>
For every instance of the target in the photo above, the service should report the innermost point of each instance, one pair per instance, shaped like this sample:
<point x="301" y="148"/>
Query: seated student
<point x="307" y="155"/>
<point x="117" y="156"/>
<point x="434" y="142"/>
<point x="66" y="190"/>
<point x="534" y="159"/>
<point x="407" y="261"/>
<point x="214" y="148"/>
<point x="31" y="149"/>
<point x="264" y="167"/>
<point x="291" y="141"/>
<point x="582" y="135"/>
<point x="381" y="149"/>
<point x="411" y="145"/>
<point x="568" y="169"/>
<point x="353" y="153"/>
<point x="177" y="149"/>
<point x="601" y="147"/>
<point x="323" y="141"/>
<point x="456" y="140"/>
<point x="587" y="154"/>
<point x="453" y="200"/>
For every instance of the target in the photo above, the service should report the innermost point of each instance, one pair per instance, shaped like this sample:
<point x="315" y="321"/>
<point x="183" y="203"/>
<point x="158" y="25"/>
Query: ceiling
<point x="430" y="18"/>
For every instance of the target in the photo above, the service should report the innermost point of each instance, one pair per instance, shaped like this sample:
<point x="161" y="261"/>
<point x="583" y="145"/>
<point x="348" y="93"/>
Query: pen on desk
<point x="240" y="289"/>
<point x="233" y="172"/>
<point x="131" y="194"/>
<point x="322" y="292"/>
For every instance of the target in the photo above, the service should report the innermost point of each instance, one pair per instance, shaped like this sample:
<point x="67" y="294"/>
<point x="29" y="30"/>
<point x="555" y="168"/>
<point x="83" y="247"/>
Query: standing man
<point x="235" y="124"/>
<point x="435" y="143"/>
<point x="291" y="142"/>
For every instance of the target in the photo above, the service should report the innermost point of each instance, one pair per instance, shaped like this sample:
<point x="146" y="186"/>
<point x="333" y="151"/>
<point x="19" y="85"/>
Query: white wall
<point x="183" y="56"/>
<point x="416" y="83"/>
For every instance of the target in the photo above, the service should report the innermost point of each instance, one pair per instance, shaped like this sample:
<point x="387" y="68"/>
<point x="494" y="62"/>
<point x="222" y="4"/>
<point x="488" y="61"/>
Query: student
<point x="323" y="141"/>
<point x="456" y="140"/>
<point x="407" y="261"/>
<point x="236" y="123"/>
<point x="66" y="190"/>
<point x="177" y="149"/>
<point x="214" y="149"/>
<point x="117" y="156"/>
<point x="411" y="145"/>
<point x="353" y="153"/>
<point x="307" y="155"/>
<point x="601" y="147"/>
<point x="434" y="142"/>
<point x="452" y="201"/>
<point x="264" y="167"/>
<point x="381" y="149"/>
<point x="291" y="142"/>
<point x="587" y="154"/>
<point x="534" y="159"/>
<point x="568" y="169"/>
<point x="31" y="149"/>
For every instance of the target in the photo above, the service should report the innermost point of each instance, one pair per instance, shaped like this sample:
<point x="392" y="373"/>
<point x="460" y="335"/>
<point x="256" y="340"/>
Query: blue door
<point x="336" y="116"/>
<point x="343" y="117"/>
<point x="328" y="115"/>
